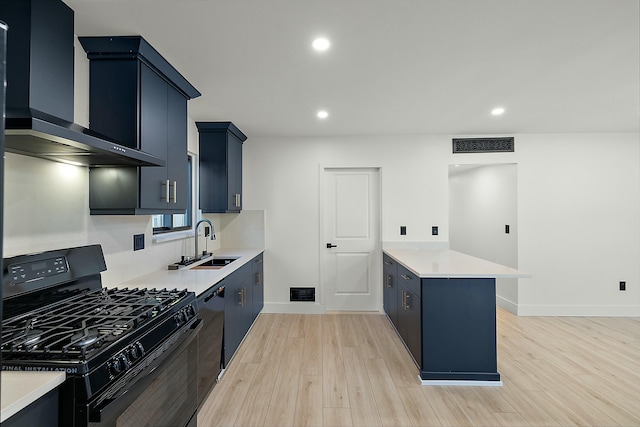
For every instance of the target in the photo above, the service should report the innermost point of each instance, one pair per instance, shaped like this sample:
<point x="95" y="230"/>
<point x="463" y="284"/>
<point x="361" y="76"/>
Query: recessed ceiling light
<point x="321" y="44"/>
<point x="322" y="114"/>
<point x="497" y="111"/>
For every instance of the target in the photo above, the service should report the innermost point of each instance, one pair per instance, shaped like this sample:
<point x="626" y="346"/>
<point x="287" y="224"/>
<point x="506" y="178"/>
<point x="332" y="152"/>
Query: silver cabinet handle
<point x="175" y="191"/>
<point x="237" y="200"/>
<point x="167" y="197"/>
<point x="405" y="277"/>
<point x="406" y="301"/>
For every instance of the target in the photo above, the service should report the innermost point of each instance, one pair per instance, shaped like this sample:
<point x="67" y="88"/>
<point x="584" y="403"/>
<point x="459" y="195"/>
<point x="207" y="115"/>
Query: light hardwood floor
<point x="352" y="370"/>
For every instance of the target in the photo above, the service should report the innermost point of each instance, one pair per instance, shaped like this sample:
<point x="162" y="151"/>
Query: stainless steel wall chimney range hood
<point x="39" y="102"/>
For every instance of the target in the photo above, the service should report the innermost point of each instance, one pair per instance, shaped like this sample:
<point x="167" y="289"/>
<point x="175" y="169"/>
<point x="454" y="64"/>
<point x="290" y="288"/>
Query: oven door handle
<point x="108" y="410"/>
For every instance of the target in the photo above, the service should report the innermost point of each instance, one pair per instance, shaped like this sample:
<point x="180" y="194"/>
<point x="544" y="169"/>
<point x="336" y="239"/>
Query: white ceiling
<point x="395" y="66"/>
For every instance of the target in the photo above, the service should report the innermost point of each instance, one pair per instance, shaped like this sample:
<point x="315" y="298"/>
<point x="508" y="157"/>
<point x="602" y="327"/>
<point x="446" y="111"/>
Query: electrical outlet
<point x="403" y="230"/>
<point x="434" y="230"/>
<point x="623" y="286"/>
<point x="206" y="231"/>
<point x="138" y="242"/>
<point x="506" y="228"/>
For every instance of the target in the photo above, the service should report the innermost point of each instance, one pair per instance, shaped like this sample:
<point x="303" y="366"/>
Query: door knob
<point x="329" y="246"/>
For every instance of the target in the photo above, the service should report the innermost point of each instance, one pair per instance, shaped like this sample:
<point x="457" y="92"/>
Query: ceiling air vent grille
<point x="483" y="145"/>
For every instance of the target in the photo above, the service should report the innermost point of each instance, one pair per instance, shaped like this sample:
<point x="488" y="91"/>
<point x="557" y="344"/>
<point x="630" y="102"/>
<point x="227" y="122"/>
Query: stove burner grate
<point x="74" y="328"/>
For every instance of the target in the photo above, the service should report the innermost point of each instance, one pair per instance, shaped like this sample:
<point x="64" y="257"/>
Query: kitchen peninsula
<point x="443" y="305"/>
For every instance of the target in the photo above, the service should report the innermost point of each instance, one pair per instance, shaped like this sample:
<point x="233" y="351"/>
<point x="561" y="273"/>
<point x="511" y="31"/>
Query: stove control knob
<point x="116" y="366"/>
<point x="124" y="362"/>
<point x="180" y="318"/>
<point x="136" y="351"/>
<point x="191" y="311"/>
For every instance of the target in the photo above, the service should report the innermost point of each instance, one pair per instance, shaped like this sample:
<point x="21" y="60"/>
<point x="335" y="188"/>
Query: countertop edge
<point x="416" y="260"/>
<point x="19" y="390"/>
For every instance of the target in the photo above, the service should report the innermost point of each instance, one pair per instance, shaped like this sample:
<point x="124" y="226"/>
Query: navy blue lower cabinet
<point x="448" y="325"/>
<point x="409" y="327"/>
<point x="42" y="413"/>
<point x="409" y="312"/>
<point x="459" y="329"/>
<point x="258" y="286"/>
<point x="237" y="309"/>
<point x="243" y="301"/>
<point x="390" y="288"/>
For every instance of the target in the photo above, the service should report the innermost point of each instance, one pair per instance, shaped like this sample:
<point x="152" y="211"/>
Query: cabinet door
<point x="220" y="145"/>
<point x="237" y="309"/>
<point x="409" y="311"/>
<point x="153" y="139"/>
<point x="410" y="318"/>
<point x="213" y="171"/>
<point x="258" y="286"/>
<point x="177" y="171"/>
<point x="390" y="289"/>
<point x="234" y="174"/>
<point x="114" y="100"/>
<point x="233" y="314"/>
<point x="246" y="286"/>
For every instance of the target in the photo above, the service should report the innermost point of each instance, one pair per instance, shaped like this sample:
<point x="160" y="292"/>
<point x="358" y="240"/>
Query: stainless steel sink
<point x="214" y="264"/>
<point x="193" y="263"/>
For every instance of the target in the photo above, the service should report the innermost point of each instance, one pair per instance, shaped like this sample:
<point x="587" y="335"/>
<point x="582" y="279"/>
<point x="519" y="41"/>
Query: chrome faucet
<point x="213" y="236"/>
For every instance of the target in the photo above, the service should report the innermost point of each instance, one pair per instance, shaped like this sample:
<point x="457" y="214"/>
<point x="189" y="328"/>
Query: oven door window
<point x="167" y="397"/>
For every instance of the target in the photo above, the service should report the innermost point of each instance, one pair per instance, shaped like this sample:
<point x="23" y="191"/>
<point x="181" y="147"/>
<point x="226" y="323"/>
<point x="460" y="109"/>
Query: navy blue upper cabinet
<point x="140" y="100"/>
<point x="220" y="167"/>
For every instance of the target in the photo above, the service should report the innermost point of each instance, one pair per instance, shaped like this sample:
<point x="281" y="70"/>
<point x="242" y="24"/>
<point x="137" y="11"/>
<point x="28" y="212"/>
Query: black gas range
<point x="125" y="351"/>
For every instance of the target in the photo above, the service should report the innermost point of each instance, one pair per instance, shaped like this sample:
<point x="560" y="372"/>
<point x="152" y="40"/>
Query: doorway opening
<point x="483" y="219"/>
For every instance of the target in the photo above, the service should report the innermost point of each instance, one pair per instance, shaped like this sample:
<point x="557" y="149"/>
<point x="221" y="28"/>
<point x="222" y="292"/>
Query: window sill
<point x="172" y="235"/>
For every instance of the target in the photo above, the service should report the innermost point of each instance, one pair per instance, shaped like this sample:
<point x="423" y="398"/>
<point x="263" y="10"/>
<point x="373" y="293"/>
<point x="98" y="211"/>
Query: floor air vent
<point x="483" y="145"/>
<point x="302" y="294"/>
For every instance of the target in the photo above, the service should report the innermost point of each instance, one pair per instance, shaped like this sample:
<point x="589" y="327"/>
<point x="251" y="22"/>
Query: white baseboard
<point x="579" y="310"/>
<point x="464" y="383"/>
<point x="507" y="304"/>
<point x="568" y="310"/>
<point x="518" y="309"/>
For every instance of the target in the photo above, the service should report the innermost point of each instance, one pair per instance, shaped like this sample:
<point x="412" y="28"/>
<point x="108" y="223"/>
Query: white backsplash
<point x="46" y="207"/>
<point x="243" y="230"/>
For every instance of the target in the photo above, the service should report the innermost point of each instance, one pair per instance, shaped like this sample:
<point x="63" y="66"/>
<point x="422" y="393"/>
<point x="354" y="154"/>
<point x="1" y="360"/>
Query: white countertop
<point x="194" y="280"/>
<point x="20" y="389"/>
<point x="427" y="263"/>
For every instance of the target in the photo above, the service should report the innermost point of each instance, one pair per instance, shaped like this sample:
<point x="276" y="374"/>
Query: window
<point x="165" y="223"/>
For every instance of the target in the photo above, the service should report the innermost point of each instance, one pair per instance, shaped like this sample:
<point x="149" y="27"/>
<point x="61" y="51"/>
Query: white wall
<point x="579" y="198"/>
<point x="482" y="201"/>
<point x="578" y="208"/>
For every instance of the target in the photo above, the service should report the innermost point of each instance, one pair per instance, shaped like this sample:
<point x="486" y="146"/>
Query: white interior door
<point x="350" y="231"/>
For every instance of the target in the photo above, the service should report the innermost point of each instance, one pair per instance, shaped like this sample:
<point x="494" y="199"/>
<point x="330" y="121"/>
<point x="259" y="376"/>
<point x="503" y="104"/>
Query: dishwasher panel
<point x="210" y="340"/>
